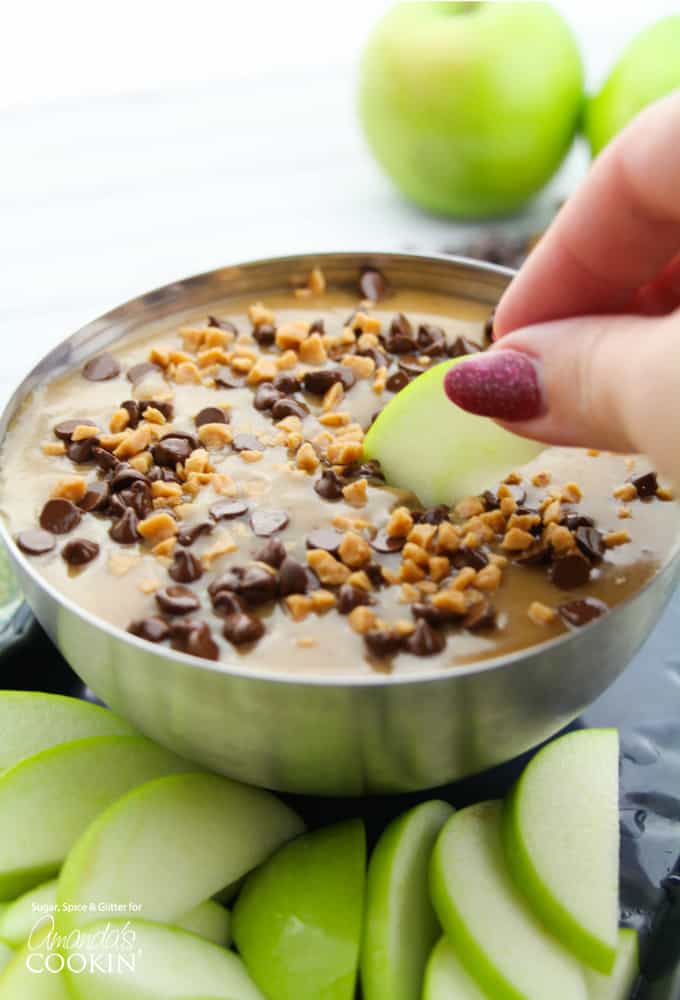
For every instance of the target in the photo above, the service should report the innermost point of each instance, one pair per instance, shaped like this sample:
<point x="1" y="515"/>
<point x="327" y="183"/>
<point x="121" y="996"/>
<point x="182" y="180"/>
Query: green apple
<point x="648" y="68"/>
<point x="471" y="107"/>
<point x="208" y="920"/>
<point x="561" y="839"/>
<point x="427" y="444"/>
<point x="6" y="955"/>
<point x="171" y="844"/>
<point x="446" y="979"/>
<point x="495" y="934"/>
<point x="618" y="985"/>
<point x="297" y="922"/>
<point x="135" y="960"/>
<point x="48" y="799"/>
<point x="26" y="977"/>
<point x="400" y="925"/>
<point x="32" y="721"/>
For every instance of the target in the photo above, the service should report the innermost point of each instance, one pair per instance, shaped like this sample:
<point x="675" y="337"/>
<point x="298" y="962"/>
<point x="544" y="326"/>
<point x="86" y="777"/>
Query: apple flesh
<point x="19" y="982"/>
<point x="618" y="985"/>
<point x="6" y="955"/>
<point x="648" y="69"/>
<point x="210" y="921"/>
<point x="171" y="844"/>
<point x="446" y="979"/>
<point x="54" y="795"/>
<point x="460" y="111"/>
<point x="135" y="960"/>
<point x="297" y="922"/>
<point x="502" y="944"/>
<point x="32" y="721"/>
<point x="400" y="925"/>
<point x="561" y="839"/>
<point x="427" y="444"/>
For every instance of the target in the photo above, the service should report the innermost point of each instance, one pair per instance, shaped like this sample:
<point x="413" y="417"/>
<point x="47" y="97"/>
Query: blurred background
<point x="146" y="140"/>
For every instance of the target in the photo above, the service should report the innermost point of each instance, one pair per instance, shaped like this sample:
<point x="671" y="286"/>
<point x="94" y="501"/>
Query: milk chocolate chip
<point x="101" y="369"/>
<point x="372" y="284"/>
<point x="569" y="571"/>
<point x="186" y="567"/>
<point x="243" y="628"/>
<point x="35" y="542"/>
<point x="172" y="450"/>
<point x="187" y="536"/>
<point x="578" y="613"/>
<point x="59" y="516"/>
<point x="425" y="641"/>
<point x="246" y="442"/>
<point x="211" y="415"/>
<point x="139" y="372"/>
<point x="268" y="522"/>
<point x="226" y="510"/>
<point x="292" y="577"/>
<point x="329" y="486"/>
<point x="327" y="539"/>
<point x="177" y="600"/>
<point x="96" y="496"/>
<point x="272" y="552"/>
<point x="124" y="530"/>
<point x="153" y="628"/>
<point x="79" y="552"/>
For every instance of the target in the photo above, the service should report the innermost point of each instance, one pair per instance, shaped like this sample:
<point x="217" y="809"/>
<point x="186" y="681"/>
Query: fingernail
<point x="501" y="384"/>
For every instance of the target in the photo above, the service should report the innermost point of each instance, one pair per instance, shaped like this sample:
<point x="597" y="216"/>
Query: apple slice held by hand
<point x="446" y="979"/>
<point x="135" y="960"/>
<point x="297" y="922"/>
<point x="171" y="844"/>
<point x="502" y="944"/>
<point x="51" y="797"/>
<point x="427" y="444"/>
<point x="400" y="925"/>
<point x="32" y="721"/>
<point x="618" y="985"/>
<point x="561" y="839"/>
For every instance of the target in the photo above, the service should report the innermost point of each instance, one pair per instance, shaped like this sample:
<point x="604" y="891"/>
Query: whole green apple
<point x="648" y="68"/>
<point x="471" y="107"/>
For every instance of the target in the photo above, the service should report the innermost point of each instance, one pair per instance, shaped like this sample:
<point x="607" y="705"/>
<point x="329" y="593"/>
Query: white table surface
<point x="105" y="196"/>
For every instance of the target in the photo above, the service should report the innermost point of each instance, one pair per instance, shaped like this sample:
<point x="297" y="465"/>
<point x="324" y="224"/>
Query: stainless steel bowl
<point x="334" y="736"/>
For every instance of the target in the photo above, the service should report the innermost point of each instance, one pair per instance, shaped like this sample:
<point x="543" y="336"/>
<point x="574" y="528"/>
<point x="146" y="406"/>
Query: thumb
<point x="607" y="382"/>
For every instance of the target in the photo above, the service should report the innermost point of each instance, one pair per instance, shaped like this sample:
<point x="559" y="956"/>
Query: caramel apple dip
<point x="203" y="486"/>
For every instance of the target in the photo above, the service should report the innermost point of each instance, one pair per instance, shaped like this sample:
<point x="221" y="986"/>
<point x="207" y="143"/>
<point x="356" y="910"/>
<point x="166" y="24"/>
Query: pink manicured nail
<point x="499" y="384"/>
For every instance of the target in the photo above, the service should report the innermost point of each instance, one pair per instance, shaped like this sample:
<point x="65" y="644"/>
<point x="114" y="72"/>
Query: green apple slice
<point x="400" y="925"/>
<point x="206" y="830"/>
<point x="27" y="977"/>
<point x="210" y="921"/>
<point x="6" y="955"/>
<point x="446" y="979"/>
<point x="29" y="915"/>
<point x="32" y="721"/>
<point x="427" y="444"/>
<point x="135" y="960"/>
<point x="619" y="984"/>
<point x="561" y="838"/>
<point x="54" y="795"/>
<point x="491" y="927"/>
<point x="297" y="922"/>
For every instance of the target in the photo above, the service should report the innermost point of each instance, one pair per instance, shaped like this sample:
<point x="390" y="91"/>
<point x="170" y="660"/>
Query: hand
<point x="587" y="337"/>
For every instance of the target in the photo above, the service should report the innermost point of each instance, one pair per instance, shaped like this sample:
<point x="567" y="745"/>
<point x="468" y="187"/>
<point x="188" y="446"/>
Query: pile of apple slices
<point x="117" y="859"/>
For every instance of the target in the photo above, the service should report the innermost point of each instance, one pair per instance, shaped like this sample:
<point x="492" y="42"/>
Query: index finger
<point x="613" y="236"/>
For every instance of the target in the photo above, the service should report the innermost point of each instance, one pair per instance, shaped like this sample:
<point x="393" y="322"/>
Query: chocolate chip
<point x="318" y="383"/>
<point x="481" y="615"/>
<point x="273" y="552"/>
<point x="177" y="600"/>
<point x="517" y="492"/>
<point x="243" y="628"/>
<point x="379" y="359"/>
<point x="65" y="428"/>
<point x="265" y="334"/>
<point x="572" y="520"/>
<point x="351" y="597"/>
<point x="646" y="484"/>
<point x="222" y="324"/>
<point x="225" y="510"/>
<point x="372" y="284"/>
<point x="371" y="470"/>
<point x="138" y="497"/>
<point x="133" y="410"/>
<point x="226" y="603"/>
<point x="328" y="486"/>
<point x="171" y="450"/>
<point x="124" y="477"/>
<point x="225" y="379"/>
<point x="462" y="346"/>
<point x="96" y="496"/>
<point x="578" y="613"/>
<point x="153" y="628"/>
<point x="286" y="407"/>
<point x="435" y="515"/>
<point x="431" y="614"/>
<point x="230" y="579"/>
<point x="381" y="643"/>
<point x="104" y="459"/>
<point x="400" y="338"/>
<point x="246" y="442"/>
<point x="397" y="381"/>
<point x="265" y="396"/>
<point x="101" y="369"/>
<point x="571" y="570"/>
<point x="185" y="567"/>
<point x="35" y="542"/>
<point x="387" y="543"/>
<point x="79" y="552"/>
<point x="318" y="326"/>
<point x="425" y="641"/>
<point x="490" y="500"/>
<point x="165" y="475"/>
<point x="466" y="556"/>
<point x="163" y="406"/>
<point x="431" y="340"/>
<point x="268" y="522"/>
<point x="59" y="516"/>
<point x="292" y="577"/>
<point x="537" y="554"/>
<point x="590" y="542"/>
<point x="139" y="372"/>
<point x="199" y="642"/>
<point x="124" y="530"/>
<point x="187" y="536"/>
<point x="211" y="415"/>
<point x="257" y="585"/>
<point x="286" y="383"/>
<point x="82" y="451"/>
<point x="412" y="366"/>
<point x="327" y="539"/>
<point x="488" y="326"/>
